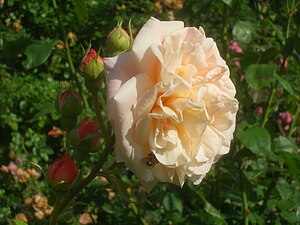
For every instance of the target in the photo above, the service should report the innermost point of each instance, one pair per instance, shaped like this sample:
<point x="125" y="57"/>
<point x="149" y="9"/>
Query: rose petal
<point x="118" y="71"/>
<point x="153" y="32"/>
<point x="122" y="106"/>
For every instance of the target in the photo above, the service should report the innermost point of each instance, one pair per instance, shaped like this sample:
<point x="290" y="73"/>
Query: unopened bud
<point x="86" y="137"/>
<point x="118" y="41"/>
<point x="68" y="103"/>
<point x="262" y="7"/>
<point x="62" y="172"/>
<point x="92" y="65"/>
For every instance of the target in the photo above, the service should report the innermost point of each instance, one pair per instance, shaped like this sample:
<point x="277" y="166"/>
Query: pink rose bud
<point x="85" y="138"/>
<point x="260" y="110"/>
<point x="92" y="65"/>
<point x="234" y="47"/>
<point x="286" y="117"/>
<point x="68" y="103"/>
<point x="283" y="62"/>
<point x="62" y="170"/>
<point x="118" y="41"/>
<point x="242" y="76"/>
<point x="287" y="127"/>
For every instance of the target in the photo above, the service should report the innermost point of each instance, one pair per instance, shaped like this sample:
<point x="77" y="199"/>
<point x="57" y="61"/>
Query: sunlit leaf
<point x="228" y="2"/>
<point x="285" y="144"/>
<point x="37" y="54"/>
<point x="257" y="140"/>
<point x="16" y="222"/>
<point x="244" y="32"/>
<point x="285" y="84"/>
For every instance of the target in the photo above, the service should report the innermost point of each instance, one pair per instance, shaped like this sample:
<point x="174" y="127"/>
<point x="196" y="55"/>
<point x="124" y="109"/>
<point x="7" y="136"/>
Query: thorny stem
<point x="99" y="114"/>
<point x="73" y="192"/>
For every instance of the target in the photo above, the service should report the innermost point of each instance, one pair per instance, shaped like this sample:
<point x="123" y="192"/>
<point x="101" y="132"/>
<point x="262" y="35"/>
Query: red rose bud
<point x="86" y="127"/>
<point x="85" y="137"/>
<point x="62" y="171"/>
<point x="68" y="103"/>
<point x="262" y="7"/>
<point x="118" y="41"/>
<point x="92" y="65"/>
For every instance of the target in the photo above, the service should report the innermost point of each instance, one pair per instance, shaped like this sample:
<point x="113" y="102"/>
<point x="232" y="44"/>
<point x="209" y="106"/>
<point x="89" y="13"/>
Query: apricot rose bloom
<point x="171" y="103"/>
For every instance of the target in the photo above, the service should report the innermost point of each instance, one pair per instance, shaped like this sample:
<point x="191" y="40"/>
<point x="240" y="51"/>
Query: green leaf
<point x="13" y="45"/>
<point x="208" y="208"/>
<point x="172" y="203"/>
<point x="269" y="54"/>
<point x="260" y="75"/>
<point x="212" y="211"/>
<point x="267" y="24"/>
<point x="244" y="32"/>
<point x="291" y="217"/>
<point x="228" y="2"/>
<point x="285" y="84"/>
<point x="37" y="54"/>
<point x="257" y="140"/>
<point x="285" y="144"/>
<point x="81" y="11"/>
<point x="284" y="189"/>
<point x="45" y="108"/>
<point x="16" y="222"/>
<point x="292" y="160"/>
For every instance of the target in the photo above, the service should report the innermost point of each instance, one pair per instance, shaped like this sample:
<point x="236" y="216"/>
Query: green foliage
<point x="256" y="183"/>
<point x="260" y="75"/>
<point x="257" y="140"/>
<point x="244" y="32"/>
<point x="37" y="54"/>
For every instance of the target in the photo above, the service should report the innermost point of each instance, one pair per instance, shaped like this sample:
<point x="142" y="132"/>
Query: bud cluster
<point x="83" y="137"/>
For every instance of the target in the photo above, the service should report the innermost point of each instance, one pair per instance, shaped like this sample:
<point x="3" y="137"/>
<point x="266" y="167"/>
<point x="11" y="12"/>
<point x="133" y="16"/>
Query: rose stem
<point x="73" y="192"/>
<point x="69" y="57"/>
<point x="266" y="117"/>
<point x="99" y="114"/>
<point x="244" y="198"/>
